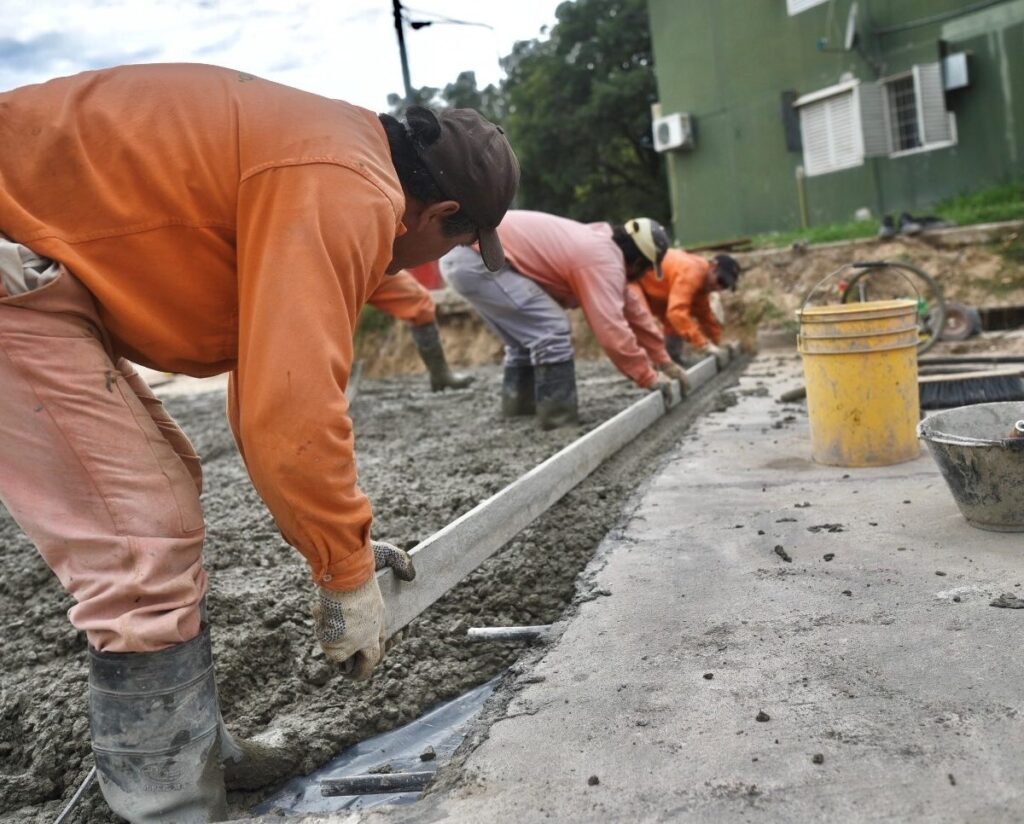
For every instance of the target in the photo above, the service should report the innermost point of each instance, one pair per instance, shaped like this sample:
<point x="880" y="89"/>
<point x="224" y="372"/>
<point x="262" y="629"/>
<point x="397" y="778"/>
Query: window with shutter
<point x="915" y="111"/>
<point x="830" y="130"/>
<point x="797" y="6"/>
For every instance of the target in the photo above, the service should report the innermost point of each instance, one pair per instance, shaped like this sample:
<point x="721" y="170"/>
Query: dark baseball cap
<point x="728" y="271"/>
<point x="473" y="163"/>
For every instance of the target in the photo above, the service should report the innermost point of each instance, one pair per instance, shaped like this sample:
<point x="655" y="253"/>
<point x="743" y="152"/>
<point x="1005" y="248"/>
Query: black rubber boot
<point x="517" y="392"/>
<point x="156" y="733"/>
<point x="674" y="347"/>
<point x="556" y="394"/>
<point x="428" y="341"/>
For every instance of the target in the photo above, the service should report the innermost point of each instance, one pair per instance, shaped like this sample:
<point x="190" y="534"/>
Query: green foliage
<point x="579" y="114"/>
<point x="371" y="320"/>
<point x="577" y="109"/>
<point x="991" y="205"/>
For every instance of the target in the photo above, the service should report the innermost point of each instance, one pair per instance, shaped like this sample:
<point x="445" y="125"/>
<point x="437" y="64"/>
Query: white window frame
<point x="820" y="98"/>
<point x="917" y="73"/>
<point x="796" y="6"/>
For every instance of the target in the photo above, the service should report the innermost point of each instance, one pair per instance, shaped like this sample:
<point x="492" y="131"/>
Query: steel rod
<point x="507" y="633"/>
<point x="375" y="784"/>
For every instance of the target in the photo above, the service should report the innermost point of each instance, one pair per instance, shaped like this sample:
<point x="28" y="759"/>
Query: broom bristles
<point x="961" y="390"/>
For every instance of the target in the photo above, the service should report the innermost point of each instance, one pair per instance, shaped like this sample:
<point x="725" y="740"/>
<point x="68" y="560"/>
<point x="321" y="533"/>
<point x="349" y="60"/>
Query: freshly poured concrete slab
<point x="887" y="687"/>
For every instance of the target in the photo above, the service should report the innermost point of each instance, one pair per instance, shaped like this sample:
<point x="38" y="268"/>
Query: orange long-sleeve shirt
<point x="403" y="297"/>
<point x="223" y="223"/>
<point x="680" y="300"/>
<point x="580" y="265"/>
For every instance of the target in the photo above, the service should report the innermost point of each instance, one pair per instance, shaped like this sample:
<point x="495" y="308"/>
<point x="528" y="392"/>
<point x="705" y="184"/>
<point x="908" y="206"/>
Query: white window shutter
<point x="932" y="117"/>
<point x="874" y="119"/>
<point x="830" y="129"/>
<point x="797" y="6"/>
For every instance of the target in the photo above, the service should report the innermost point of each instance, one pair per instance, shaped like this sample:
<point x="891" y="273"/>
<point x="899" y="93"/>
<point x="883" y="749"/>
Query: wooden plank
<point x="449" y="555"/>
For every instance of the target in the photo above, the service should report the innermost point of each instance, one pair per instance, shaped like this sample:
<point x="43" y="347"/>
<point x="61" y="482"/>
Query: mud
<point x="424" y="459"/>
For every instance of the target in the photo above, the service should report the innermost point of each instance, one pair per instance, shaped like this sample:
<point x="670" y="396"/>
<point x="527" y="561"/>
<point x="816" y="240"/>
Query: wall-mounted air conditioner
<point x="673" y="131"/>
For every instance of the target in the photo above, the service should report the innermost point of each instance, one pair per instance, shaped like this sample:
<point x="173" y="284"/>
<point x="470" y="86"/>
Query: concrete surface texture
<point x="781" y="641"/>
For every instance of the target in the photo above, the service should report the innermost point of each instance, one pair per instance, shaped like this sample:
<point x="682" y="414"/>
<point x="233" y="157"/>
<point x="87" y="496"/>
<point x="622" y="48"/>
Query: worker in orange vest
<point x="681" y="299"/>
<point x="404" y="298"/>
<point x="201" y="220"/>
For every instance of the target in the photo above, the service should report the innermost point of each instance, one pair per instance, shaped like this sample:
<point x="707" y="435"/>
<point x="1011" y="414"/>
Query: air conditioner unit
<point x="673" y="131"/>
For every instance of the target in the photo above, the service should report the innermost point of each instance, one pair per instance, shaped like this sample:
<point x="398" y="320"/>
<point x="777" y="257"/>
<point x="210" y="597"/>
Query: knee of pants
<point x="552" y="349"/>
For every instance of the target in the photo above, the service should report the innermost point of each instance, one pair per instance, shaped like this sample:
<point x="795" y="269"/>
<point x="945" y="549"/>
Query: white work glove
<point x="676" y="372"/>
<point x="350" y="626"/>
<point x="720" y="355"/>
<point x="664" y="385"/>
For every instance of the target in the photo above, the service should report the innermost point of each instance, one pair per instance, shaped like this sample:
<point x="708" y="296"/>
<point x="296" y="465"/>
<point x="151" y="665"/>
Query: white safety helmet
<point x="651" y="239"/>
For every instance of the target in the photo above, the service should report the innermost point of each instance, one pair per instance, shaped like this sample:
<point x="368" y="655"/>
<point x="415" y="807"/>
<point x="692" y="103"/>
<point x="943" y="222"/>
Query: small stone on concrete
<point x="708" y="676"/>
<point x="428" y="754"/>
<point x="847" y="593"/>
<point x="940" y="573"/>
<point x="593" y="781"/>
<point x="1008" y="601"/>
<point x="828" y="556"/>
<point x="762" y="716"/>
<point x="818" y="758"/>
<point x="781" y="552"/>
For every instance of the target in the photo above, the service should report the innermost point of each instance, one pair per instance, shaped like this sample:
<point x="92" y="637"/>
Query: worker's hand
<point x="350" y="626"/>
<point x="664" y="385"/>
<point x="720" y="355"/>
<point x="676" y="372"/>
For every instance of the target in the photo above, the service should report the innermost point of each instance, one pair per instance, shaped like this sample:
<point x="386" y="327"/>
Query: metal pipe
<point x="375" y="784"/>
<point x="801" y="193"/>
<point x="85" y="785"/>
<point x="507" y="633"/>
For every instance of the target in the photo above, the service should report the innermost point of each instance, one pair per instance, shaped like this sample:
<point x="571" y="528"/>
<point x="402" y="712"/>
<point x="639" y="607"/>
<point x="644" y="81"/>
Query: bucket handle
<point x="861" y="264"/>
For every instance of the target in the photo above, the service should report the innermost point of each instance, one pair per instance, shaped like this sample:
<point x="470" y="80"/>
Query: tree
<point x="579" y="114"/>
<point x="577" y="109"/>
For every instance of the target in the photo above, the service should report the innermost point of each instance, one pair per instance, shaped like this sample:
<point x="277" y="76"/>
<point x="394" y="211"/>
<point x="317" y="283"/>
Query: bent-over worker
<point x="680" y="297"/>
<point x="554" y="263"/>
<point x="200" y="220"/>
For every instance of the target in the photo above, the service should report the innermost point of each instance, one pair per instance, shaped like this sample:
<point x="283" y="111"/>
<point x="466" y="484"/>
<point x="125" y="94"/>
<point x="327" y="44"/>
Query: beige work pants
<point x="97" y="474"/>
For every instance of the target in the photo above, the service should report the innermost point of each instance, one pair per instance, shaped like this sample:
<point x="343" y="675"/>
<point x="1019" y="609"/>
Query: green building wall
<point x="727" y="63"/>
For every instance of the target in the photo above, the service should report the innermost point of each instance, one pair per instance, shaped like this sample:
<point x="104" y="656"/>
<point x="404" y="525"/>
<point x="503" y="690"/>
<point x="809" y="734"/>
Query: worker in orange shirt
<point x="680" y="297"/>
<point x="202" y="220"/>
<point x="404" y="298"/>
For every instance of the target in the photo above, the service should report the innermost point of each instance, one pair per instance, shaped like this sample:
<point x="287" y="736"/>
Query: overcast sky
<point x="344" y="49"/>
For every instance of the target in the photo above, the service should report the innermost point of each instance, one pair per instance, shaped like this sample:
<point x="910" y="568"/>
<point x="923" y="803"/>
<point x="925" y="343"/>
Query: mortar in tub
<point x="983" y="466"/>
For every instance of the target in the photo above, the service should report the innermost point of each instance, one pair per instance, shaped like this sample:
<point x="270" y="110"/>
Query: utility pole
<point x="396" y="7"/>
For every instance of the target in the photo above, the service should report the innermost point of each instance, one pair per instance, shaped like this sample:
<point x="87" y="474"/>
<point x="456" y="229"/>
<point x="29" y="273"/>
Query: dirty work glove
<point x="676" y="372"/>
<point x="720" y="355"/>
<point x="664" y="385"/>
<point x="350" y="626"/>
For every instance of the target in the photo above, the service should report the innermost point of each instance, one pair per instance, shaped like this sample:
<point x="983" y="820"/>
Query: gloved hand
<point x="676" y="372"/>
<point x="720" y="355"/>
<point x="664" y="385"/>
<point x="350" y="626"/>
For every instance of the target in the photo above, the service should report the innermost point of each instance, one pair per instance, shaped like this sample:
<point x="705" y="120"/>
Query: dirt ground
<point x="423" y="459"/>
<point x="775" y="283"/>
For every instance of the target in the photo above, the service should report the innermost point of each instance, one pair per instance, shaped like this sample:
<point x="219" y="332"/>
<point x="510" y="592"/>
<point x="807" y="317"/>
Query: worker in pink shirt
<point x="553" y="264"/>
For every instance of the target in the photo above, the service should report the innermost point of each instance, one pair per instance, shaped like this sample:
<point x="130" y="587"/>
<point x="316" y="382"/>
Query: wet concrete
<point x="868" y="679"/>
<point x="423" y="459"/>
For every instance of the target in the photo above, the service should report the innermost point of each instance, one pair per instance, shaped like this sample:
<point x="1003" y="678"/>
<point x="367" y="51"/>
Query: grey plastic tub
<point x="982" y="465"/>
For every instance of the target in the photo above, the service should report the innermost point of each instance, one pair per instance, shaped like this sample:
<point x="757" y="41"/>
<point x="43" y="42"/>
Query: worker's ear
<point x="437" y="212"/>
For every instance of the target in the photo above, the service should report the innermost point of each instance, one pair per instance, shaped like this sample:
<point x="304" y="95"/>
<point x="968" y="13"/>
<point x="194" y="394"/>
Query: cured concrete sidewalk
<point x="887" y="660"/>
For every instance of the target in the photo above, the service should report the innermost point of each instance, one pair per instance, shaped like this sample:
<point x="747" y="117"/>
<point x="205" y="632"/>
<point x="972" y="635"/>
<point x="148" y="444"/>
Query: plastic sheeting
<point x="442" y="728"/>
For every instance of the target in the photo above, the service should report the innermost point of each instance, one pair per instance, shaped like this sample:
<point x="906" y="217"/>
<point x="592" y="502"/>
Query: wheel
<point x="886" y="280"/>
<point x="962" y="322"/>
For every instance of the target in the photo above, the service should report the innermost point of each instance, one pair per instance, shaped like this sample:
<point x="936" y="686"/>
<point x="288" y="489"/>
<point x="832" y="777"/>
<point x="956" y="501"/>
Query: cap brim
<point x="658" y="273"/>
<point x="490" y="250"/>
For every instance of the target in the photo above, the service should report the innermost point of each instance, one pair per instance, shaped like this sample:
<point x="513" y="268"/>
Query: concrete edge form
<point x="451" y="553"/>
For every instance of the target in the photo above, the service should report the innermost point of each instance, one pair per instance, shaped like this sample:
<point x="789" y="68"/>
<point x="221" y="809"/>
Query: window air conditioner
<point x="673" y="131"/>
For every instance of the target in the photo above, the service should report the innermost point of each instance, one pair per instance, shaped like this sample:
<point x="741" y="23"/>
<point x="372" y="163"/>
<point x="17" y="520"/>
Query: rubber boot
<point x="556" y="394"/>
<point x="674" y="347"/>
<point x="155" y="728"/>
<point x="517" y="391"/>
<point x="428" y="341"/>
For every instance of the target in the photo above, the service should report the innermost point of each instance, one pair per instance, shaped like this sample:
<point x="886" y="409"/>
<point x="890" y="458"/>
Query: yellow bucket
<point x="860" y="369"/>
